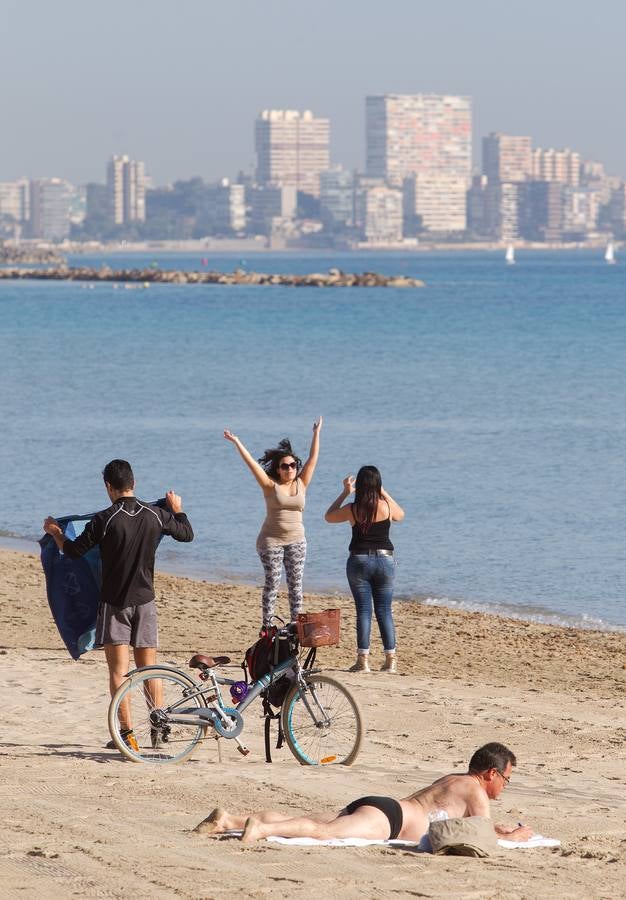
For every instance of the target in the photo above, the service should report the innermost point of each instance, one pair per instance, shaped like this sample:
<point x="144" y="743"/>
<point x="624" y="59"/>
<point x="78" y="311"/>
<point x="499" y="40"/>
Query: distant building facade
<point x="126" y="190"/>
<point x="15" y="200"/>
<point x="292" y="148"/>
<point x="379" y="214"/>
<point x="270" y="207"/>
<point x="556" y="165"/>
<point x="409" y="134"/>
<point x="49" y="209"/>
<point x="507" y="157"/>
<point x="337" y="198"/>
<point x="227" y="205"/>
<point x="434" y="202"/>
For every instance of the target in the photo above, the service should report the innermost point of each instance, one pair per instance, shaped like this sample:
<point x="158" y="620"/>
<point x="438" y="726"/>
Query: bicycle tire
<point x="314" y="743"/>
<point x="154" y="746"/>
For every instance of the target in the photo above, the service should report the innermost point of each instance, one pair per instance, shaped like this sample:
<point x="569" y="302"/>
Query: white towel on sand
<point x="536" y="841"/>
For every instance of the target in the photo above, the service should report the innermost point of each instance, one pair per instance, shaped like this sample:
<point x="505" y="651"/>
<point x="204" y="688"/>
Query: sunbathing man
<point x="382" y="818"/>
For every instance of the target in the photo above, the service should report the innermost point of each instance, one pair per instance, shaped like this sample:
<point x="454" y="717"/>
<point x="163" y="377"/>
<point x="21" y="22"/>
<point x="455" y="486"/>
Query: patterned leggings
<point x="293" y="557"/>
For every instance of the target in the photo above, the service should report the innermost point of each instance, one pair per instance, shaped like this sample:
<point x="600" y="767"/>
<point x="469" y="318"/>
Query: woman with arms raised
<point x="281" y="541"/>
<point x="371" y="566"/>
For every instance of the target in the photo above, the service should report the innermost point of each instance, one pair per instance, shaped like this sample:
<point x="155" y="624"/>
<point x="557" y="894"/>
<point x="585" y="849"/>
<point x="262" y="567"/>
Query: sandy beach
<point x="79" y="821"/>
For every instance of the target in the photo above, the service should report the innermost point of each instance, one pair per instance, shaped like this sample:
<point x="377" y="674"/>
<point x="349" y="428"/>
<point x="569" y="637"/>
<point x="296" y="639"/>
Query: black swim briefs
<point x="387" y="805"/>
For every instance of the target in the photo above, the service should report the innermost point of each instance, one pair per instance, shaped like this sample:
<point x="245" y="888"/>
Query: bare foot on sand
<point x="253" y="830"/>
<point x="217" y="822"/>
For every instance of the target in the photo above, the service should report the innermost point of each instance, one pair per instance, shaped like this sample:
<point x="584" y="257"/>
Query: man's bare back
<point x="455" y="795"/>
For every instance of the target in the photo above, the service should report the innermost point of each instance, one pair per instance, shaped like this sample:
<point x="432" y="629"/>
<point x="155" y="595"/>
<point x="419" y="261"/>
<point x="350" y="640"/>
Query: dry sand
<point x="79" y="821"/>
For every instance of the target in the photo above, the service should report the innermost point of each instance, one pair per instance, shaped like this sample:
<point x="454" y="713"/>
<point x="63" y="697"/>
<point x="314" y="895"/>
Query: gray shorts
<point x="133" y="625"/>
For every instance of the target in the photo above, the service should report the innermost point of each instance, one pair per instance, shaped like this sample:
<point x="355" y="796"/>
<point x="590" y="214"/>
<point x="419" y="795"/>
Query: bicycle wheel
<point x="323" y="725"/>
<point x="151" y="694"/>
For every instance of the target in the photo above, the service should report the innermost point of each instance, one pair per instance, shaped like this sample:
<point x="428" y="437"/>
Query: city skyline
<point x="180" y="89"/>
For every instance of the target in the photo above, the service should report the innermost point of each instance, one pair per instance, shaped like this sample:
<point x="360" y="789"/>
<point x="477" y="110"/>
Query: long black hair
<point x="271" y="458"/>
<point x="367" y="494"/>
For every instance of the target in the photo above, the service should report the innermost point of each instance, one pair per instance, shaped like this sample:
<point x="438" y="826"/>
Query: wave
<point x="528" y="614"/>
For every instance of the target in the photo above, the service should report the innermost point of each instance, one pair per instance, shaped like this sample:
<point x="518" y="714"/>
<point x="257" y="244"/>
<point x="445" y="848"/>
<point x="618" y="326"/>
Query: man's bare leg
<point x="146" y="656"/>
<point x="366" y="822"/>
<point x="117" y="656"/>
<point x="220" y="820"/>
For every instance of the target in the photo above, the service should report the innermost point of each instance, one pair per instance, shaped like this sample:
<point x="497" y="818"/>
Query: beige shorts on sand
<point x="133" y="625"/>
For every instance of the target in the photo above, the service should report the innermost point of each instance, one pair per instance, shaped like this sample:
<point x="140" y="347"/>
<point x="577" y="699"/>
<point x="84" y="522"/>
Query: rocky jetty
<point x="332" y="278"/>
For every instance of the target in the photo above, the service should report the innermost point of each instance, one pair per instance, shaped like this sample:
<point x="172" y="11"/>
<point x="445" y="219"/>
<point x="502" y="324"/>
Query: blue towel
<point x="73" y="586"/>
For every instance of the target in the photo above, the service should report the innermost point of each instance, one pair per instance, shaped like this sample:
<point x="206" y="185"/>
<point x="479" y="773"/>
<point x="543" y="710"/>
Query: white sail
<point x="510" y="255"/>
<point x="609" y="255"/>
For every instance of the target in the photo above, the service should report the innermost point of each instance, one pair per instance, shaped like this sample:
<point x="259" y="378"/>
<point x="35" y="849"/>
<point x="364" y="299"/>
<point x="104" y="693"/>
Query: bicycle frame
<point x="221" y="714"/>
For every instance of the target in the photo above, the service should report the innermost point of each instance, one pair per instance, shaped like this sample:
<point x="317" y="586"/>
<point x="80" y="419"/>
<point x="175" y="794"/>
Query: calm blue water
<point x="493" y="402"/>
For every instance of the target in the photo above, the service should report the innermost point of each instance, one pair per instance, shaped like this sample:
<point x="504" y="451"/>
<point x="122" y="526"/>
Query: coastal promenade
<point x="147" y="276"/>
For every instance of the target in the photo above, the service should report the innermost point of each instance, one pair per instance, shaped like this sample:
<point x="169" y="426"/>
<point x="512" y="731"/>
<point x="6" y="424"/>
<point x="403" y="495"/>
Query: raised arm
<point x="338" y="513"/>
<point x="397" y="513"/>
<point x="265" y="482"/>
<point x="309" y="467"/>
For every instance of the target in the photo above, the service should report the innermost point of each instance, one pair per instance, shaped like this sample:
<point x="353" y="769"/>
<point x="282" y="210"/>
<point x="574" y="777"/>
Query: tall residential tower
<point x="292" y="148"/>
<point x="126" y="190"/>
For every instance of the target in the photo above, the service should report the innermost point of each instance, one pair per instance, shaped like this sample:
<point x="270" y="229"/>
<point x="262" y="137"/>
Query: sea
<point x="493" y="400"/>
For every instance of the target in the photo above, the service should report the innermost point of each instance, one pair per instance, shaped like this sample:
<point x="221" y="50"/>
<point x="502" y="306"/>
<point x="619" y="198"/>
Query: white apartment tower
<point x="126" y="189"/>
<point x="292" y="148"/>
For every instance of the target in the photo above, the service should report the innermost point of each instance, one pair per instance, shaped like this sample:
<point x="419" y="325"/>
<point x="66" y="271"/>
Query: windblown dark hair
<point x="271" y="458"/>
<point x="491" y="756"/>
<point x="367" y="494"/>
<point x="119" y="475"/>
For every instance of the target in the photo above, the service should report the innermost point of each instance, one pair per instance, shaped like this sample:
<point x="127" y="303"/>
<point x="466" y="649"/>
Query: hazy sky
<point x="179" y="84"/>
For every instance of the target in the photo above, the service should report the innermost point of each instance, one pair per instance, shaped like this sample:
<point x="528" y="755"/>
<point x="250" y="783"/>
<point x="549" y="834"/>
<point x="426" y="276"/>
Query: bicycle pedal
<point x="243" y="750"/>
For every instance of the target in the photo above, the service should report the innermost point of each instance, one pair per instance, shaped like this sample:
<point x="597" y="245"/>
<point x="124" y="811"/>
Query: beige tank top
<point x="283" y="521"/>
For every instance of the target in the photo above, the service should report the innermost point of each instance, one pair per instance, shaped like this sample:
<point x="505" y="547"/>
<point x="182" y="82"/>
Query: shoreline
<point x="500" y="610"/>
<point x="81" y="820"/>
<point x="428" y="626"/>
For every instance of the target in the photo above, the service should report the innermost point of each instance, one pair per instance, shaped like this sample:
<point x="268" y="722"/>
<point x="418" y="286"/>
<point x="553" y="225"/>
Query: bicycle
<point x="173" y="713"/>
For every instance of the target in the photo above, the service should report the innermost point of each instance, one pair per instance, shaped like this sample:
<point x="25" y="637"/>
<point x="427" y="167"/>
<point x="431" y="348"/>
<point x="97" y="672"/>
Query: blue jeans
<point x="371" y="580"/>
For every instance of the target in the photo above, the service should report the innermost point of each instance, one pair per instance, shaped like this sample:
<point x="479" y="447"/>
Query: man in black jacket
<point x="128" y="533"/>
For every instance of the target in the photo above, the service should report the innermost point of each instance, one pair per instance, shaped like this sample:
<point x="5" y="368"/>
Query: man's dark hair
<point x="491" y="756"/>
<point x="119" y="475"/>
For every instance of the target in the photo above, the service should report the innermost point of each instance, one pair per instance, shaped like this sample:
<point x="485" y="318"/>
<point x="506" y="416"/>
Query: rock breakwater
<point x="332" y="278"/>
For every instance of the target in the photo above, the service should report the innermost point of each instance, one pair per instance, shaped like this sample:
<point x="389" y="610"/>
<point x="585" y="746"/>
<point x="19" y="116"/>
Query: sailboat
<point x="510" y="255"/>
<point x="609" y="255"/>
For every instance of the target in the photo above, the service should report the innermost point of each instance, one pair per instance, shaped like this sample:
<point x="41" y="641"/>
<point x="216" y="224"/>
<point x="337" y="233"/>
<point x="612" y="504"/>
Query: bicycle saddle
<point x="207" y="662"/>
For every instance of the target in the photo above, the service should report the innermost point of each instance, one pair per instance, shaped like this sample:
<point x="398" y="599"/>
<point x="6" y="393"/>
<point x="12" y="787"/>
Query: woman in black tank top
<point x="371" y="565"/>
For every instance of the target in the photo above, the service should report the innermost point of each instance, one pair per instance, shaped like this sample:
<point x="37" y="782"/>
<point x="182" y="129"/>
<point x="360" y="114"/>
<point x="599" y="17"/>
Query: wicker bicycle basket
<point x="319" y="629"/>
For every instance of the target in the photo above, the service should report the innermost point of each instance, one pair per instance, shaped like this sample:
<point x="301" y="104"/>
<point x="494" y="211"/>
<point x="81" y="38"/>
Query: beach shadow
<point x="63" y="750"/>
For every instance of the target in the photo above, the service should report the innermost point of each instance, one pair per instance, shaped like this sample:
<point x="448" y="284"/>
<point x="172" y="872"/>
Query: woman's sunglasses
<point x="287" y="466"/>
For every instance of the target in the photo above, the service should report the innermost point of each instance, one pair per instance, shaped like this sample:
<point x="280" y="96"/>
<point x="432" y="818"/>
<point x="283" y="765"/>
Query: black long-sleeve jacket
<point x="128" y="533"/>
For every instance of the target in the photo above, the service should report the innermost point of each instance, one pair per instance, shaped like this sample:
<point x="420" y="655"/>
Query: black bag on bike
<point x="263" y="656"/>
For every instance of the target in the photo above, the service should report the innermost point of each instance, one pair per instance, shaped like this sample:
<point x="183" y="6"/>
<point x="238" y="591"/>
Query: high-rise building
<point x="337" y="198"/>
<point x="617" y="210"/>
<point x="292" y="148"/>
<point x="541" y="210"/>
<point x="49" y="209"/>
<point x="556" y="165"/>
<point x="409" y="134"/>
<point x="379" y="214"/>
<point x="434" y="202"/>
<point x="227" y="206"/>
<point x="507" y="157"/>
<point x="126" y="188"/>
<point x="270" y="207"/>
<point x="15" y="199"/>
